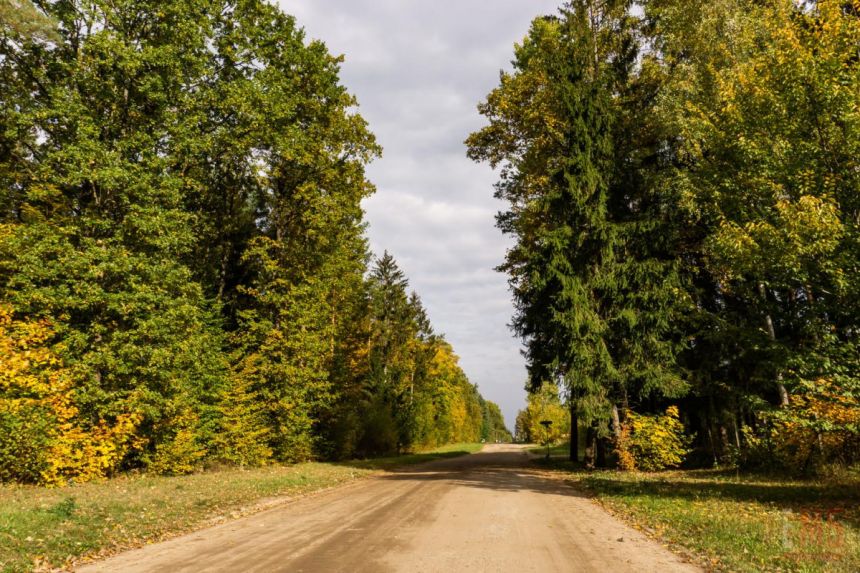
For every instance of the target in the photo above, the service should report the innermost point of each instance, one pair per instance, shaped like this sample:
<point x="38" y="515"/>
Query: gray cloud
<point x="419" y="69"/>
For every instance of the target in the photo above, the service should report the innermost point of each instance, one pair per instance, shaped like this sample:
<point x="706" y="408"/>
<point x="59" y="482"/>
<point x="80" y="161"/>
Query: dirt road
<point x="490" y="511"/>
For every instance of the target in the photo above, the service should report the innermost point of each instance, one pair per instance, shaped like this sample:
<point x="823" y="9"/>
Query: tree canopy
<point x="682" y="183"/>
<point x="182" y="243"/>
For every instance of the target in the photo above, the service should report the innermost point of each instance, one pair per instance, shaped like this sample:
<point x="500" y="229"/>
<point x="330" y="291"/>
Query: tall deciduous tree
<point x="762" y="105"/>
<point x="98" y="228"/>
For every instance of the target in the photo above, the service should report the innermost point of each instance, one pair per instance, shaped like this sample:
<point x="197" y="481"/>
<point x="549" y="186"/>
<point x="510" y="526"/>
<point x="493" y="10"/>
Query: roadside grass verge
<point x="734" y="522"/>
<point x="449" y="451"/>
<point x="558" y="450"/>
<point x="43" y="528"/>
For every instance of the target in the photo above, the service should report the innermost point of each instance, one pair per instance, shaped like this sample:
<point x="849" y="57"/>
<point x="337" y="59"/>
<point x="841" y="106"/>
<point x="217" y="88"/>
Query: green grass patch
<point x="736" y="522"/>
<point x="42" y="528"/>
<point x="449" y="451"/>
<point x="560" y="450"/>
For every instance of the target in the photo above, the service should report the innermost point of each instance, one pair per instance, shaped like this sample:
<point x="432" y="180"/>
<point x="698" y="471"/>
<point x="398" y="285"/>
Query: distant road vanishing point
<point x="490" y="511"/>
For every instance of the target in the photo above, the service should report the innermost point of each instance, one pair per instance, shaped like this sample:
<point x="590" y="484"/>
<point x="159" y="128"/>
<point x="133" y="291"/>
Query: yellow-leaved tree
<point x="544" y="405"/>
<point x="652" y="442"/>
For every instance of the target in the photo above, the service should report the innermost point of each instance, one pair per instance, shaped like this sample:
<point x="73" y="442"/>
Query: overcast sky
<point x="419" y="68"/>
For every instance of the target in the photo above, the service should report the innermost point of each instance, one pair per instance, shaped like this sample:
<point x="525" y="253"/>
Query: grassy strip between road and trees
<point x="43" y="528"/>
<point x="557" y="450"/>
<point x="729" y="521"/>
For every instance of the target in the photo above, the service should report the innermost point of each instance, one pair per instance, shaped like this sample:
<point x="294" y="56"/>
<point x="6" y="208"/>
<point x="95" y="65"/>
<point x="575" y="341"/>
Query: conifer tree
<point x="393" y="329"/>
<point x="592" y="271"/>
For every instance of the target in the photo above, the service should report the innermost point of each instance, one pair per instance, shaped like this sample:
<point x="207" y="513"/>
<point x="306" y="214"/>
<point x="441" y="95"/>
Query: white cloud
<point x="419" y="69"/>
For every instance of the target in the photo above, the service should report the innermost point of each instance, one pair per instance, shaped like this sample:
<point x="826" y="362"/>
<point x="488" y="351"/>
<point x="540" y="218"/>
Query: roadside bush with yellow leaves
<point x="821" y="426"/>
<point x="182" y="453"/>
<point x="42" y="436"/>
<point x="652" y="442"/>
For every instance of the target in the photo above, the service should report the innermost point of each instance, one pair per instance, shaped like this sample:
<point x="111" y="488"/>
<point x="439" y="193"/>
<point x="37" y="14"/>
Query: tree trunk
<point x="602" y="445"/>
<point x="771" y="332"/>
<point x="590" y="446"/>
<point x="713" y="445"/>
<point x="710" y="423"/>
<point x="574" y="433"/>
<point x="724" y="438"/>
<point x="616" y="422"/>
<point x="737" y="432"/>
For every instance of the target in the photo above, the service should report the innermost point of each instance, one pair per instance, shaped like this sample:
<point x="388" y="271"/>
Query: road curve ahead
<point x="490" y="511"/>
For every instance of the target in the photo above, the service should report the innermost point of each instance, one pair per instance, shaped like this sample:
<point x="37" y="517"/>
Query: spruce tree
<point x="592" y="270"/>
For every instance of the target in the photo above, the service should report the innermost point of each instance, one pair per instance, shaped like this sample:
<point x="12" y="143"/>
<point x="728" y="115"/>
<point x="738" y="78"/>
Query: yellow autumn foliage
<point x="183" y="454"/>
<point x="457" y="416"/>
<point x="544" y="405"/>
<point x="43" y="438"/>
<point x="805" y="232"/>
<point x="652" y="442"/>
<point x="821" y="425"/>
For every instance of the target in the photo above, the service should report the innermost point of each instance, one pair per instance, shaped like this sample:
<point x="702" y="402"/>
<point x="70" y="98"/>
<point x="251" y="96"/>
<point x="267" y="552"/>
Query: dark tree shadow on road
<point x="495" y="471"/>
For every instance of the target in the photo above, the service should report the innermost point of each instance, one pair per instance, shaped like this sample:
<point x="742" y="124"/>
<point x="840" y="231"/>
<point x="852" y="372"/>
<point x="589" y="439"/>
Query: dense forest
<point x="682" y="181"/>
<point x="184" y="277"/>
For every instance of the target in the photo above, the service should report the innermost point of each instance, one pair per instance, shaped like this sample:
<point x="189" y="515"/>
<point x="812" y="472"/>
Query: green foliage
<point x="182" y="202"/>
<point x="683" y="194"/>
<point x="21" y="19"/>
<point x="242" y="435"/>
<point x="765" y="122"/>
<point x="182" y="452"/>
<point x="493" y="427"/>
<point x="98" y="231"/>
<point x="591" y="271"/>
<point x="406" y="391"/>
<point x="24" y="437"/>
<point x="379" y="432"/>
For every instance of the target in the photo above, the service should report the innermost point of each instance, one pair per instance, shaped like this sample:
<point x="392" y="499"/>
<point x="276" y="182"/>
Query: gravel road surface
<point x="490" y="511"/>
